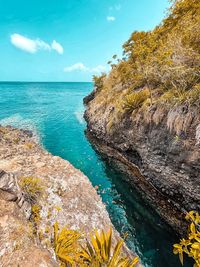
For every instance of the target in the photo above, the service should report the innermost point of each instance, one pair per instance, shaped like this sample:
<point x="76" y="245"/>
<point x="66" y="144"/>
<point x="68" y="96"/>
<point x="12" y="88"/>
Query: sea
<point x="54" y="111"/>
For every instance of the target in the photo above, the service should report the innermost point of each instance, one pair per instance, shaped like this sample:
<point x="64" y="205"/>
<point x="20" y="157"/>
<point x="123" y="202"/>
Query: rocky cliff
<point x="38" y="189"/>
<point x="162" y="159"/>
<point x="145" y="113"/>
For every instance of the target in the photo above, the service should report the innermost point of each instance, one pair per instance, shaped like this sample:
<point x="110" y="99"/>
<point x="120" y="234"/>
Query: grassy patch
<point x="33" y="188"/>
<point x="135" y="100"/>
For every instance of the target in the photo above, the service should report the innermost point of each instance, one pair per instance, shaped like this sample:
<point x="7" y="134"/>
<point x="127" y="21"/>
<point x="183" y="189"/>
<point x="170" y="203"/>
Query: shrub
<point x="98" y="81"/>
<point x="194" y="95"/>
<point x="73" y="250"/>
<point x="66" y="245"/>
<point x="99" y="251"/>
<point x="35" y="219"/>
<point x="32" y="187"/>
<point x="175" y="96"/>
<point x="190" y="245"/>
<point x="167" y="57"/>
<point x="135" y="100"/>
<point x="29" y="145"/>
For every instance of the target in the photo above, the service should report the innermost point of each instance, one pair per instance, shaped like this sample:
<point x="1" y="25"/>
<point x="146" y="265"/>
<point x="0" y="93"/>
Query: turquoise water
<point x="55" y="112"/>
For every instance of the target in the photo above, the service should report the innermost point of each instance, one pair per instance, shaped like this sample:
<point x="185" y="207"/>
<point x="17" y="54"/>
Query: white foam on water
<point x="17" y="121"/>
<point x="79" y="115"/>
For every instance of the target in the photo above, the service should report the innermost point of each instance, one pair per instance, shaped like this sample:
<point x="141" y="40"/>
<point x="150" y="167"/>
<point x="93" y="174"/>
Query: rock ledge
<point x="69" y="199"/>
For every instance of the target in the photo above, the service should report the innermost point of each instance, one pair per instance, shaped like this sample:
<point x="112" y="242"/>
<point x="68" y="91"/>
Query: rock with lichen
<point x="38" y="189"/>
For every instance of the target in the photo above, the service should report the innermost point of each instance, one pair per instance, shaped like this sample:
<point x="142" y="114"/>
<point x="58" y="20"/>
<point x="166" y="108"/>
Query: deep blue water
<point x="55" y="112"/>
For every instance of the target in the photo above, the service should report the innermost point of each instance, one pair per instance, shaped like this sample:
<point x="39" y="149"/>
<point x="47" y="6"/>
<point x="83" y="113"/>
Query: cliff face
<point x="159" y="148"/>
<point x="38" y="189"/>
<point x="145" y="113"/>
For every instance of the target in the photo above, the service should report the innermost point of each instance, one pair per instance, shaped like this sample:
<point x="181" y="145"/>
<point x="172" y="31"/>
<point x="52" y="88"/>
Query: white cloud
<point x="33" y="45"/>
<point x="110" y="18"/>
<point x="78" y="66"/>
<point x="81" y="67"/>
<point x="41" y="45"/>
<point x="23" y="43"/>
<point x="98" y="69"/>
<point x="58" y="47"/>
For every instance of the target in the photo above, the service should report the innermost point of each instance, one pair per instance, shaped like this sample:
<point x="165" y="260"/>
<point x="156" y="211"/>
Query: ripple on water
<point x="55" y="111"/>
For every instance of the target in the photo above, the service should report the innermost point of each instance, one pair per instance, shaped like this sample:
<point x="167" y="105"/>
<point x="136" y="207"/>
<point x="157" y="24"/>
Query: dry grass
<point x="135" y="100"/>
<point x="33" y="188"/>
<point x="177" y="97"/>
<point x="29" y="145"/>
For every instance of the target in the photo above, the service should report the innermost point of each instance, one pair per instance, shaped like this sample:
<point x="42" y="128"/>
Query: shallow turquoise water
<point x="55" y="111"/>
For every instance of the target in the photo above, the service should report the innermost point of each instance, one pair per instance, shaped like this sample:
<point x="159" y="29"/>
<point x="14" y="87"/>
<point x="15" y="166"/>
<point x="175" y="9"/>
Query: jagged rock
<point x="163" y="142"/>
<point x="68" y="197"/>
<point x="17" y="248"/>
<point x="12" y="192"/>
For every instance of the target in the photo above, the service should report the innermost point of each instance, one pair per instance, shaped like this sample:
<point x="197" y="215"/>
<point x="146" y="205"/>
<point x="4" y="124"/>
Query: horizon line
<point x="45" y="82"/>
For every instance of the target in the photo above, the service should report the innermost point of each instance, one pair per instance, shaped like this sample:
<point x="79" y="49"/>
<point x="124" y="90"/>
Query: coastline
<point x="133" y="175"/>
<point x="161" y="164"/>
<point x="70" y="199"/>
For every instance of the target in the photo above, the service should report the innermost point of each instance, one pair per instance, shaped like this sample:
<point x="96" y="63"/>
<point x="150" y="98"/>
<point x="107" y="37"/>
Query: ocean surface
<point x="55" y="112"/>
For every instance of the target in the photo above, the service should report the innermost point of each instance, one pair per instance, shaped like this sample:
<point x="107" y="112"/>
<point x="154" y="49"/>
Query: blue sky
<point x="68" y="40"/>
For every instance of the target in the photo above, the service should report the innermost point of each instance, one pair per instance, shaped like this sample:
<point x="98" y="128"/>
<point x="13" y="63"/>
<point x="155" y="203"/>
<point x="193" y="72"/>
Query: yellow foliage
<point x="16" y="140"/>
<point x="194" y="95"/>
<point x="29" y="145"/>
<point x="73" y="250"/>
<point x="98" y="81"/>
<point x="167" y="57"/>
<point x="181" y="96"/>
<point x="191" y="245"/>
<point x="35" y="220"/>
<point x="66" y="245"/>
<point x="99" y="252"/>
<point x="32" y="187"/>
<point x="135" y="100"/>
<point x="36" y="213"/>
<point x="34" y="190"/>
<point x="58" y="208"/>
<point x="47" y="229"/>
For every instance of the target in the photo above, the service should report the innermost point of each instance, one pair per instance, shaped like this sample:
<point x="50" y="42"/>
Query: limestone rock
<point x="67" y="196"/>
<point x="158" y="147"/>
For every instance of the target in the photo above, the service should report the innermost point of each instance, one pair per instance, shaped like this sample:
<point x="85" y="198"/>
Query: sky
<point x="68" y="40"/>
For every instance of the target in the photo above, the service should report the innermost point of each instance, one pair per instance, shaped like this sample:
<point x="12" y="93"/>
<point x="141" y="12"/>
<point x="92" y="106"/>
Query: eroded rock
<point x="163" y="142"/>
<point x="66" y="197"/>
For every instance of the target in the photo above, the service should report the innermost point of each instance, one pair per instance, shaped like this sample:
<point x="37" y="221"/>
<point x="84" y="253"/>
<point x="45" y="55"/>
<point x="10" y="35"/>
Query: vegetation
<point x="98" y="80"/>
<point x="166" y="58"/>
<point x="190" y="245"/>
<point x="66" y="245"/>
<point x="32" y="187"/>
<point x="72" y="249"/>
<point x="29" y="145"/>
<point x="33" y="190"/>
<point x="35" y="219"/>
<point x="135" y="100"/>
<point x="99" y="252"/>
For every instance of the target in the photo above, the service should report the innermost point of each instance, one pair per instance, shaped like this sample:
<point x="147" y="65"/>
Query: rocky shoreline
<point x="162" y="162"/>
<point x="69" y="199"/>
